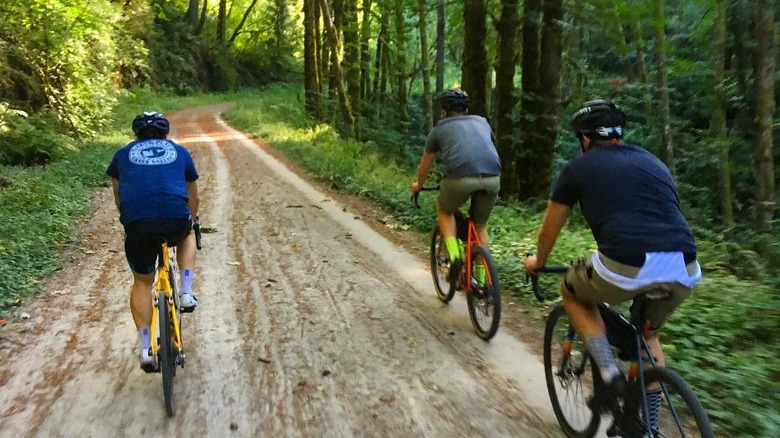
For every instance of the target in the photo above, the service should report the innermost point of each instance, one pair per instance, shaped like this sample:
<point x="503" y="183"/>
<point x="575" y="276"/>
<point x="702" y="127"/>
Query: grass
<point x="722" y="339"/>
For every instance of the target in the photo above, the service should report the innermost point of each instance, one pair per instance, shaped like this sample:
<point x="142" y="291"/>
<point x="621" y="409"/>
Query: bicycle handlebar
<point x="196" y="228"/>
<point x="551" y="269"/>
<point x="416" y="196"/>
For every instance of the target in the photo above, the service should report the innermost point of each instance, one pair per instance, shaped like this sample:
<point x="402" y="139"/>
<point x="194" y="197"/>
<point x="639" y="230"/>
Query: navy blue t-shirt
<point x="153" y="176"/>
<point x="629" y="199"/>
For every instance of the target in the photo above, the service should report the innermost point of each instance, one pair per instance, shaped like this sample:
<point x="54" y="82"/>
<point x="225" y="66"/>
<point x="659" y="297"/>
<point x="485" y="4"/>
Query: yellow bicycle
<point x="166" y="342"/>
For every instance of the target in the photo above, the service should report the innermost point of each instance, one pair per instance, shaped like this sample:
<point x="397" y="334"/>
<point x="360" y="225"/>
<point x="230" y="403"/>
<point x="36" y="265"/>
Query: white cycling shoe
<point x="148" y="361"/>
<point x="188" y="303"/>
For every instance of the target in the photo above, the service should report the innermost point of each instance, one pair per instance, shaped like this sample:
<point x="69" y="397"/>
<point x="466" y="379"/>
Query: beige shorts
<point x="586" y="284"/>
<point x="483" y="191"/>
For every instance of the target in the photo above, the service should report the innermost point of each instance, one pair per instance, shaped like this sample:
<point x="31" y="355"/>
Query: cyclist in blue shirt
<point x="155" y="190"/>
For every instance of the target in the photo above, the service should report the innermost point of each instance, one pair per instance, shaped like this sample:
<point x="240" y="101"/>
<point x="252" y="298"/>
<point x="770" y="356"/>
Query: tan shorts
<point x="483" y="191"/>
<point x="586" y="284"/>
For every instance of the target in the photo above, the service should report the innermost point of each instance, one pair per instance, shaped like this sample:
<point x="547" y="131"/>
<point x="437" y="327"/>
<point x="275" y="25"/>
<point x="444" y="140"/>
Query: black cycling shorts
<point x="142" y="240"/>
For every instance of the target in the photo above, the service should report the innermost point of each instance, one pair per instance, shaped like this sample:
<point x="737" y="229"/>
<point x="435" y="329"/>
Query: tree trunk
<point x="346" y="109"/>
<point x="532" y="21"/>
<point x="352" y="57"/>
<point x="549" y="86"/>
<point x="440" y="20"/>
<point x="400" y="65"/>
<point x="280" y="24"/>
<point x="425" y="64"/>
<point x="202" y="20"/>
<point x="311" y="87"/>
<point x="506" y="96"/>
<point x="765" y="110"/>
<point x="337" y="50"/>
<point x="237" y="30"/>
<point x="666" y="149"/>
<point x="221" y="18"/>
<point x="718" y="122"/>
<point x="320" y="49"/>
<point x="192" y="14"/>
<point x="621" y="44"/>
<point x="365" y="54"/>
<point x="474" y="69"/>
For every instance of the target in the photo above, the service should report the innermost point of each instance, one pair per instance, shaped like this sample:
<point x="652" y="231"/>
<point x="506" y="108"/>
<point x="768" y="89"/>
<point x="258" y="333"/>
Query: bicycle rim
<point x="569" y="377"/>
<point x="166" y="357"/>
<point x="484" y="301"/>
<point x="680" y="413"/>
<point x="440" y="267"/>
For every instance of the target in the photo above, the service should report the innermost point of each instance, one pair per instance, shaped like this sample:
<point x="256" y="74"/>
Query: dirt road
<point x="310" y="324"/>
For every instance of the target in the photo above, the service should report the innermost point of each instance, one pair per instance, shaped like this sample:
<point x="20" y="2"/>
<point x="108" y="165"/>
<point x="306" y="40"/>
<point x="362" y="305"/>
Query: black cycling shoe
<point x="454" y="274"/>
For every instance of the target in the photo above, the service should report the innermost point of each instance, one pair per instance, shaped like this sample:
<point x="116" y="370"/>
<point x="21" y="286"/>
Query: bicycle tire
<point x="678" y="395"/>
<point x="174" y="281"/>
<point x="440" y="267"/>
<point x="569" y="374"/>
<point x="481" y="298"/>
<point x="166" y="358"/>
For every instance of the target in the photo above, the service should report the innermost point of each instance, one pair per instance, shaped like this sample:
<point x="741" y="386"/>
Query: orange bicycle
<point x="166" y="341"/>
<point x="483" y="296"/>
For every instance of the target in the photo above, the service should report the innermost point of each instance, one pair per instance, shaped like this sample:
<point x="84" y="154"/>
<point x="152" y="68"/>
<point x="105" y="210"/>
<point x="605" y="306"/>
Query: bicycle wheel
<point x="484" y="301"/>
<point x="569" y="376"/>
<point x="166" y="356"/>
<point x="680" y="413"/>
<point x="440" y="267"/>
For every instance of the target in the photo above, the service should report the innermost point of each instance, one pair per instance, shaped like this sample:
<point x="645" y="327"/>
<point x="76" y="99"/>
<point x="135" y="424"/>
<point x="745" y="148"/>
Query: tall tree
<point x="346" y="108"/>
<point x="532" y="23"/>
<point x="549" y="84"/>
<point x="202" y="20"/>
<point x="440" y="20"/>
<point x="248" y="12"/>
<point x="474" y="70"/>
<point x="221" y="21"/>
<point x="352" y="56"/>
<point x="310" y="81"/>
<point x="192" y="14"/>
<point x="666" y="147"/>
<point x="506" y="96"/>
<point x="425" y="64"/>
<point x="718" y="122"/>
<point x="365" y="54"/>
<point x="337" y="50"/>
<point x="766" y="51"/>
<point x="401" y="74"/>
<point x="281" y="18"/>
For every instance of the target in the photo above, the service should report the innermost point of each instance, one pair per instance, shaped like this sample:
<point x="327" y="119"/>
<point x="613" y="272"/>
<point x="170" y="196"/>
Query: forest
<point x="698" y="80"/>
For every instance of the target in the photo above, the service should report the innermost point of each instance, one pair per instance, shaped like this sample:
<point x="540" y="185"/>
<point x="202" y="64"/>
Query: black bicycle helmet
<point x="150" y="124"/>
<point x="599" y="119"/>
<point x="454" y="99"/>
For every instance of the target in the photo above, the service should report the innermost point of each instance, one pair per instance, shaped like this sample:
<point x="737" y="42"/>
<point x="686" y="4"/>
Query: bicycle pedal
<point x="187" y="309"/>
<point x="614" y="430"/>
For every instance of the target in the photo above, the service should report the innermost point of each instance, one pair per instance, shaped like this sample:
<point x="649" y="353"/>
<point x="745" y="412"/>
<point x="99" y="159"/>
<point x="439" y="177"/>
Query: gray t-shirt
<point x="465" y="146"/>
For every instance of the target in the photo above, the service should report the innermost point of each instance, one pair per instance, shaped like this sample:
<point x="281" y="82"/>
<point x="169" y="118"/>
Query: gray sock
<point x="653" y="400"/>
<point x="598" y="346"/>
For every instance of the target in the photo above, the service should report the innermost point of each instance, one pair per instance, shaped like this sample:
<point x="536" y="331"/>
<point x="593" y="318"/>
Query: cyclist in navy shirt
<point x="155" y="190"/>
<point x="629" y="199"/>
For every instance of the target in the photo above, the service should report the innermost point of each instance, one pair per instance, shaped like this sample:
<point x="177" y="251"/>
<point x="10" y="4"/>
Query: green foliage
<point x="28" y="140"/>
<point x="37" y="206"/>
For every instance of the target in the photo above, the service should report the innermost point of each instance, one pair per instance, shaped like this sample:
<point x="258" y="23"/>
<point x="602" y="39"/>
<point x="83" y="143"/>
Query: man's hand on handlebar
<point x="530" y="264"/>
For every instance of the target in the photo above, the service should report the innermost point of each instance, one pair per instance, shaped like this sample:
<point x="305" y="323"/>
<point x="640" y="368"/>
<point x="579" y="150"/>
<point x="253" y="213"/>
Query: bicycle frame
<point x="162" y="289"/>
<point x="471" y="241"/>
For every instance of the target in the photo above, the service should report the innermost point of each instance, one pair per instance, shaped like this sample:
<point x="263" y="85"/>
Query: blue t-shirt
<point x="153" y="176"/>
<point x="629" y="199"/>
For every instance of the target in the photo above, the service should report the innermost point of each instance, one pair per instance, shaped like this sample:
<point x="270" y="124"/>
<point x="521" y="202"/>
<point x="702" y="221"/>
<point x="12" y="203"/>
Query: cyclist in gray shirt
<point x="472" y="169"/>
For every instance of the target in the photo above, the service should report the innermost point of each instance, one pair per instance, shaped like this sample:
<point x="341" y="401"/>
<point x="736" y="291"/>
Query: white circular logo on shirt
<point x="153" y="153"/>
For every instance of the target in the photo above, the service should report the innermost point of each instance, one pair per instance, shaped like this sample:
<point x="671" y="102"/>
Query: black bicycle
<point x="657" y="401"/>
